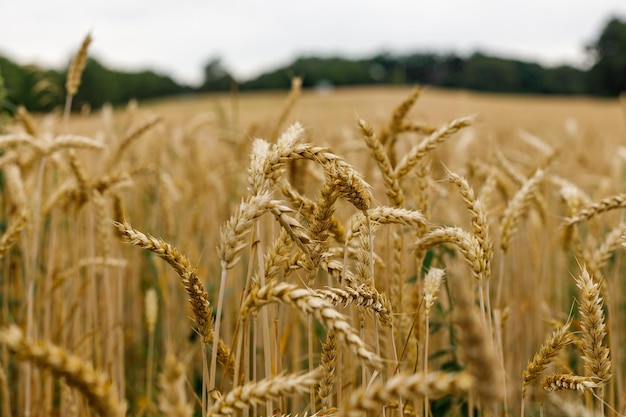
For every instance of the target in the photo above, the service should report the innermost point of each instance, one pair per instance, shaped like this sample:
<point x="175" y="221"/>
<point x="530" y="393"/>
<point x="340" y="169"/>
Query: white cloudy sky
<point x="178" y="36"/>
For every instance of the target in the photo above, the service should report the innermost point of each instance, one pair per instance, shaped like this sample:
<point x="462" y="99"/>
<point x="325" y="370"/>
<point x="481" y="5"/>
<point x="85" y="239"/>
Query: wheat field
<point x="375" y="251"/>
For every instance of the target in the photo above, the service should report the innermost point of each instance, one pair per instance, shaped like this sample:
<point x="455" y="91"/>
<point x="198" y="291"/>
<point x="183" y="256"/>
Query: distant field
<point x="449" y="253"/>
<point x="340" y="107"/>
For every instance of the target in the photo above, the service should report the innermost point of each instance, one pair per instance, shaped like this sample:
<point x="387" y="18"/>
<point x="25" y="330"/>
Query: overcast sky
<point x="178" y="36"/>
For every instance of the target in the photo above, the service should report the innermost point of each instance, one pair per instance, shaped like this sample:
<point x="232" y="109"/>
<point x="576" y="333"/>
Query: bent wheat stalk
<point x="198" y="298"/>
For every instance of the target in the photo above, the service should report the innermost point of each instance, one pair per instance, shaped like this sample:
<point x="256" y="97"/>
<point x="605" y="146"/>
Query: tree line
<point x="43" y="89"/>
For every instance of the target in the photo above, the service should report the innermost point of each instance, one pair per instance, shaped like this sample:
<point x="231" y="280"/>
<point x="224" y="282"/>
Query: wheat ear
<point x="559" y="382"/>
<point x="256" y="174"/>
<point x="349" y="184"/>
<point x="15" y="185"/>
<point x="133" y="135"/>
<point x="306" y="208"/>
<point x="609" y="203"/>
<point x="377" y="149"/>
<point x="240" y="224"/>
<point x="547" y="353"/>
<point x="389" y="134"/>
<point x="363" y="296"/>
<point x="172" y="395"/>
<point x="432" y="282"/>
<point x="398" y="116"/>
<point x="95" y="386"/>
<point x="480" y="225"/>
<point x="466" y="242"/>
<point x="292" y="98"/>
<point x="416" y="127"/>
<point x="12" y="233"/>
<point x="602" y="254"/>
<point x="328" y="367"/>
<point x="416" y="154"/>
<point x="595" y="354"/>
<point x="27" y="121"/>
<point x="260" y="391"/>
<point x="77" y="67"/>
<point x="321" y="222"/>
<point x="386" y="215"/>
<point x="404" y="385"/>
<point x="517" y="207"/>
<point x="308" y="302"/>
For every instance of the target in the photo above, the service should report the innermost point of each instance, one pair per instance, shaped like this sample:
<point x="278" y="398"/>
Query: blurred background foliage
<point x="40" y="89"/>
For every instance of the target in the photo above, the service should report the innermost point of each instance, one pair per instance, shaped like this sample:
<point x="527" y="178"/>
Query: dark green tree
<point x="216" y="76"/>
<point x="608" y="74"/>
<point x="3" y="95"/>
<point x="100" y="85"/>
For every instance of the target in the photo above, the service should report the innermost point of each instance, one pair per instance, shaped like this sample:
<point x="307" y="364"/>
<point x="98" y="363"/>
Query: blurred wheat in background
<point x="444" y="254"/>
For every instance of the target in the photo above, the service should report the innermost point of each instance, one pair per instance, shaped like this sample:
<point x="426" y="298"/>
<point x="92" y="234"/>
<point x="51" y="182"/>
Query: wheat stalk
<point x="294" y="94"/>
<point x="198" y="298"/>
<point x="478" y="349"/>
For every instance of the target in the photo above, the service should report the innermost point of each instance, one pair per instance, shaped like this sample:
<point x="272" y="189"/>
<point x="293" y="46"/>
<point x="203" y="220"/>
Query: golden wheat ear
<point x="595" y="353"/>
<point x="77" y="67"/>
<point x="94" y="385"/>
<point x="547" y="353"/>
<point x="172" y="399"/>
